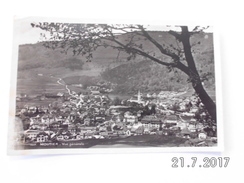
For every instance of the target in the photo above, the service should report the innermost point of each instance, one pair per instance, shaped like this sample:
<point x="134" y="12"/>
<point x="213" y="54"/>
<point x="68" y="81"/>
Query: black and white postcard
<point x="84" y="87"/>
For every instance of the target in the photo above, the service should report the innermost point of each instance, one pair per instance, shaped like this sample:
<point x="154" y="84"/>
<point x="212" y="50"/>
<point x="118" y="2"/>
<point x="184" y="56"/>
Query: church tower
<point x="139" y="96"/>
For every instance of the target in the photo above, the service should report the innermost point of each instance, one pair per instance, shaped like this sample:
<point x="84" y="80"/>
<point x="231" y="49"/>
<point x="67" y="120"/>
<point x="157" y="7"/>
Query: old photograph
<point x="85" y="85"/>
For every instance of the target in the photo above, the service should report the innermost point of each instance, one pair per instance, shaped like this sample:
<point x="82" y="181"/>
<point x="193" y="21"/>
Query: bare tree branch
<point x="176" y="35"/>
<point x="160" y="47"/>
<point x="142" y="53"/>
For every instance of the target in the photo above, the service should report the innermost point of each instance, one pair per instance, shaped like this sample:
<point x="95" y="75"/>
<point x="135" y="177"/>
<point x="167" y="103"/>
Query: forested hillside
<point x="147" y="76"/>
<point x="113" y="66"/>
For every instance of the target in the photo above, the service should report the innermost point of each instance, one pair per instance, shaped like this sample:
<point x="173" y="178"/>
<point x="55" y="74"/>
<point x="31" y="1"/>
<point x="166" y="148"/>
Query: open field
<point x="38" y="103"/>
<point x="38" y="85"/>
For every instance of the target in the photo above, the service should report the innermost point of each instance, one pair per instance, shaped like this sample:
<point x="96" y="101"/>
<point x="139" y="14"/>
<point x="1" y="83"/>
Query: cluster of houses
<point x="93" y="116"/>
<point x="102" y="87"/>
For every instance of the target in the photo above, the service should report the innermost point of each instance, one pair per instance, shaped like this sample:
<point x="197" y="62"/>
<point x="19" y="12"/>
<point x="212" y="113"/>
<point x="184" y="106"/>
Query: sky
<point x="24" y="33"/>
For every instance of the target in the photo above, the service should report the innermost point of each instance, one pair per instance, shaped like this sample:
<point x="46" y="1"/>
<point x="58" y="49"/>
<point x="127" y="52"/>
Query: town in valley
<point x="94" y="119"/>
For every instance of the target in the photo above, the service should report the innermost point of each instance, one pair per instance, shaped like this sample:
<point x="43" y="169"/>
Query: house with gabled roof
<point x="151" y="122"/>
<point x="171" y="119"/>
<point x="31" y="134"/>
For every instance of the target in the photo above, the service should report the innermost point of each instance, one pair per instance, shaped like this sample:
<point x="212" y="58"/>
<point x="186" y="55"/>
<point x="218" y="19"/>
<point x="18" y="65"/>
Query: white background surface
<point x="142" y="167"/>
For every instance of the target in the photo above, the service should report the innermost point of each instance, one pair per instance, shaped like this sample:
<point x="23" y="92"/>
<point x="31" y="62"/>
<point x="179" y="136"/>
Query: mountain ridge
<point x="35" y="59"/>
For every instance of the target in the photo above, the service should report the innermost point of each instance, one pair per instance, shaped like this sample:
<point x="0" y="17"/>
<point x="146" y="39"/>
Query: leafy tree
<point x="188" y="106"/>
<point x="116" y="101"/>
<point x="153" y="109"/>
<point x="149" y="110"/>
<point x="84" y="39"/>
<point x="175" y="107"/>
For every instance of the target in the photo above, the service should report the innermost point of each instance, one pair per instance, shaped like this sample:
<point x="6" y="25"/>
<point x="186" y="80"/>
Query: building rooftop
<point x="150" y="118"/>
<point x="172" y="117"/>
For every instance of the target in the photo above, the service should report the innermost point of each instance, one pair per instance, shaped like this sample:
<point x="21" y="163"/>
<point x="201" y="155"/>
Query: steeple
<point x="139" y="96"/>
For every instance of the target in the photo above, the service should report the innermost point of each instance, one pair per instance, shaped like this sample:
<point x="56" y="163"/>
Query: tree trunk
<point x="194" y="76"/>
<point x="206" y="100"/>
